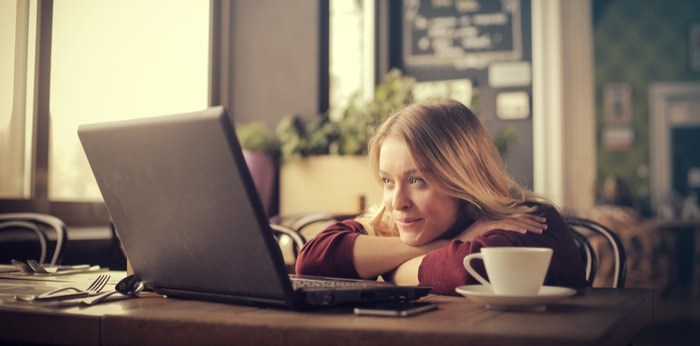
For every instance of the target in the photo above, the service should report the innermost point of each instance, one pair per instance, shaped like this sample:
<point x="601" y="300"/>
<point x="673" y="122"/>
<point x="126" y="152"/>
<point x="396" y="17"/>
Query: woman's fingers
<point x="516" y="226"/>
<point x="533" y="223"/>
<point x="523" y="224"/>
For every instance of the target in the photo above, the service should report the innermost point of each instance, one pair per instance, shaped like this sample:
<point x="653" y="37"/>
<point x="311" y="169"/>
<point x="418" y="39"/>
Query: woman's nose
<point x="401" y="200"/>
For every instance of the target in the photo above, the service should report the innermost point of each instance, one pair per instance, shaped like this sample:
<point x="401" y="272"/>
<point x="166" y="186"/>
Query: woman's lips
<point x="407" y="222"/>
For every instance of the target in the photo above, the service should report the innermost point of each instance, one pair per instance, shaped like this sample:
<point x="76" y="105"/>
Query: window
<point x="351" y="52"/>
<point x="17" y="39"/>
<point x="116" y="59"/>
<point x="108" y="60"/>
<point x="86" y="61"/>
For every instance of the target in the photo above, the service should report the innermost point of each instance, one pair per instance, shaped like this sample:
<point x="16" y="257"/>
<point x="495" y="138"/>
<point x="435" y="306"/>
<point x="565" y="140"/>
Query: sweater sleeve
<point x="330" y="253"/>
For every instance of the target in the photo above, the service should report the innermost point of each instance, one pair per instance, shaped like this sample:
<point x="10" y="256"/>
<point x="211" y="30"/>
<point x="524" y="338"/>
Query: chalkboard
<point x="461" y="33"/>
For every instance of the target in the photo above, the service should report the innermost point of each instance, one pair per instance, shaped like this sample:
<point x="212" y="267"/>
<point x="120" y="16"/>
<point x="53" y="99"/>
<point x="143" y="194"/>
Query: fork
<point x="129" y="286"/>
<point x="37" y="268"/>
<point x="94" y="288"/>
<point x="45" y="269"/>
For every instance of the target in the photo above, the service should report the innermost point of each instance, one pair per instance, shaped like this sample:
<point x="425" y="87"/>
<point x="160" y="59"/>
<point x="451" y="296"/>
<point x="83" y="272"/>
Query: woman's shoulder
<point x="350" y="225"/>
<point x="499" y="237"/>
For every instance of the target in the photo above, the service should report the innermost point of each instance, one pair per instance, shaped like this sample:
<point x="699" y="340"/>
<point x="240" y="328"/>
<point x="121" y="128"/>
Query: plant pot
<point x="328" y="183"/>
<point x="262" y="169"/>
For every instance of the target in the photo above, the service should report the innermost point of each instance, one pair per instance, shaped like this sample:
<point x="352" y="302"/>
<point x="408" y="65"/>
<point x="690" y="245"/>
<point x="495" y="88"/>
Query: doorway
<point x="685" y="161"/>
<point x="674" y="118"/>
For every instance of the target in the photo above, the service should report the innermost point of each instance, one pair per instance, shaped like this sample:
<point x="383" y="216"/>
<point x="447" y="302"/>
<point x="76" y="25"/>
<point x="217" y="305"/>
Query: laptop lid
<point x="188" y="215"/>
<point x="185" y="207"/>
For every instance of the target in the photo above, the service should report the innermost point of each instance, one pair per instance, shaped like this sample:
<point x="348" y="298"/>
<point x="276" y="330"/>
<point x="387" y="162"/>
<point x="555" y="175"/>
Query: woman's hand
<point x="521" y="224"/>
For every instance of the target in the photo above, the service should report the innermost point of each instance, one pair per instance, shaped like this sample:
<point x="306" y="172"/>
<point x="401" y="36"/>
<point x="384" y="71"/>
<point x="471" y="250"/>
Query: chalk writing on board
<point x="461" y="33"/>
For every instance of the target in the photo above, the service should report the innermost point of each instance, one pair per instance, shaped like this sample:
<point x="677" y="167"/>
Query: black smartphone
<point x="395" y="309"/>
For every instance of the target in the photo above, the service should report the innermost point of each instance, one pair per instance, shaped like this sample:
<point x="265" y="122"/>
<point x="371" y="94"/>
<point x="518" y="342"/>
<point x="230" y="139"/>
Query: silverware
<point x="96" y="299"/>
<point x="129" y="286"/>
<point x="60" y="294"/>
<point x="36" y="267"/>
<point x="52" y="269"/>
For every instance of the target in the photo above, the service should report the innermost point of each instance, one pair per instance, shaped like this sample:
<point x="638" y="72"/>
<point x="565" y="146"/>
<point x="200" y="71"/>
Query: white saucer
<point x="483" y="294"/>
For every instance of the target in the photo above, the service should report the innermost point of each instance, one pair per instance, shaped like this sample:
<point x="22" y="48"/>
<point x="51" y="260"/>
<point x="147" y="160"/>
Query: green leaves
<point x="350" y="134"/>
<point x="258" y="137"/>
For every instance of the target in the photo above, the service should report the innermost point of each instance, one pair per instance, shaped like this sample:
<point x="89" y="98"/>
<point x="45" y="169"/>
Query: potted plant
<point x="349" y="134"/>
<point x="261" y="150"/>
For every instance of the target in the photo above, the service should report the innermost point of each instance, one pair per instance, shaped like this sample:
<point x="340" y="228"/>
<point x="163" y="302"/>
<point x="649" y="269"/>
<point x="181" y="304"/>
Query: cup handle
<point x="472" y="272"/>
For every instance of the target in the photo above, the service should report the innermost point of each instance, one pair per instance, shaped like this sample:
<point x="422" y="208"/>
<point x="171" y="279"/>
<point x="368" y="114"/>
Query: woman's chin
<point x="410" y="240"/>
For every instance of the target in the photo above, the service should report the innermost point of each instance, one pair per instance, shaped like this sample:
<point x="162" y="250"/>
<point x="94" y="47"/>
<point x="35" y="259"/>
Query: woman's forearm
<point x="407" y="272"/>
<point x="374" y="256"/>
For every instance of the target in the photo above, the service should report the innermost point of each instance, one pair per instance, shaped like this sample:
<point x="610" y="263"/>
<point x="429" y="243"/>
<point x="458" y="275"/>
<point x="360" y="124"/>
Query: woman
<point x="446" y="195"/>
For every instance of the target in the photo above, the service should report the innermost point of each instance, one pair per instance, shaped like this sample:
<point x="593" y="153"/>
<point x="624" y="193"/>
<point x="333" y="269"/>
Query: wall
<point x="475" y="64"/>
<point x="638" y="42"/>
<point x="280" y="60"/>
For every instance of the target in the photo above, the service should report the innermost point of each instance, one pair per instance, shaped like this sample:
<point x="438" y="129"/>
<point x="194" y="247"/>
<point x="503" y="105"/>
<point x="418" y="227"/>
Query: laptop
<point x="189" y="218"/>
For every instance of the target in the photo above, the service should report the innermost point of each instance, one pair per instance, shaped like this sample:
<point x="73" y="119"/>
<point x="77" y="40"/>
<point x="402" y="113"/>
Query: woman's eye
<point x="416" y="181"/>
<point x="386" y="181"/>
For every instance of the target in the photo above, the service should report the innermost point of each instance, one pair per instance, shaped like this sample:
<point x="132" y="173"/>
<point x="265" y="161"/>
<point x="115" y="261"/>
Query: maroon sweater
<point x="330" y="253"/>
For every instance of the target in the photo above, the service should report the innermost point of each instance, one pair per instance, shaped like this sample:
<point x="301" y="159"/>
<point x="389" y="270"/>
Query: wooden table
<point x="597" y="317"/>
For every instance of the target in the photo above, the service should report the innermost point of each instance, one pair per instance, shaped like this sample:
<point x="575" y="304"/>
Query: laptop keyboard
<point x="321" y="283"/>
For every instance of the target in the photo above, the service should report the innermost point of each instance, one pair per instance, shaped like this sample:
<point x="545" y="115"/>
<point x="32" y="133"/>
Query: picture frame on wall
<point x="617" y="104"/>
<point x="694" y="46"/>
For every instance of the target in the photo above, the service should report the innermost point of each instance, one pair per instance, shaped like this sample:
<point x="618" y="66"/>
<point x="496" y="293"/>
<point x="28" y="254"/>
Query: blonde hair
<point x="456" y="155"/>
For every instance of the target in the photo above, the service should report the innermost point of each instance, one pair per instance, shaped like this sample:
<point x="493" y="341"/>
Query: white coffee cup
<point x="517" y="271"/>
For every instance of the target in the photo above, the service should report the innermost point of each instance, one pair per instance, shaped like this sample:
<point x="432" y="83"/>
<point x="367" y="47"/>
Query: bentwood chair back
<point x="290" y="242"/>
<point x="41" y="225"/>
<point x="585" y="231"/>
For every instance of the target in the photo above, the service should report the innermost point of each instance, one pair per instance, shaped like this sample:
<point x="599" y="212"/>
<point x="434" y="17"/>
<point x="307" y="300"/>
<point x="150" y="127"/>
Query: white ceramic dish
<point x="484" y="295"/>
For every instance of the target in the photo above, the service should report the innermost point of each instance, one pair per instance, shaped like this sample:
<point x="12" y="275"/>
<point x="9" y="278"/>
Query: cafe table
<point x="595" y="316"/>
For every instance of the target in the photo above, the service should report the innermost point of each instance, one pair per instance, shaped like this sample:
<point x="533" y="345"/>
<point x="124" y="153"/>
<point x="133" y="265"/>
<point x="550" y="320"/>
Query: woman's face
<point x="421" y="213"/>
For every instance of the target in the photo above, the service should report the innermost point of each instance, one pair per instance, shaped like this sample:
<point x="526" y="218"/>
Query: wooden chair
<point x="41" y="225"/>
<point x="584" y="231"/>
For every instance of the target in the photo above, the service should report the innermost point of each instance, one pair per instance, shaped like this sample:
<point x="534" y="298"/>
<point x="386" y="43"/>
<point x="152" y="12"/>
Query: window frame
<point x="221" y="58"/>
<point x="87" y="213"/>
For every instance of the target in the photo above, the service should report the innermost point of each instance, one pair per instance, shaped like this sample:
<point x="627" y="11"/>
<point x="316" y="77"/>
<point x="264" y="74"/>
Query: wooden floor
<point x="677" y="322"/>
